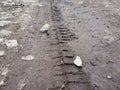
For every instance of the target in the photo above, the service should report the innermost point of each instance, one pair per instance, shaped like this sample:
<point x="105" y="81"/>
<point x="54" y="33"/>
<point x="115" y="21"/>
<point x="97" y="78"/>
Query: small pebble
<point x="22" y="83"/>
<point x="27" y="58"/>
<point x="2" y="83"/>
<point x="108" y="39"/>
<point x="78" y="61"/>
<point x="1" y="40"/>
<point x="2" y="53"/>
<point x="45" y="28"/>
<point x="5" y="71"/>
<point x="11" y="43"/>
<point x="109" y="77"/>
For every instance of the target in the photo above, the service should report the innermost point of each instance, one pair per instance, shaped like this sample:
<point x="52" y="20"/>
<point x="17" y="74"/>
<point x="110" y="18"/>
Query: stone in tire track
<point x="73" y="78"/>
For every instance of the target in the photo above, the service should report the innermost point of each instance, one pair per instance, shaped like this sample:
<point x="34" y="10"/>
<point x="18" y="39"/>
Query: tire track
<point x="67" y="75"/>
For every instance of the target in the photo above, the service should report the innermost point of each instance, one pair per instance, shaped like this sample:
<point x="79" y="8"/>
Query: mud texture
<point x="85" y="28"/>
<point x="74" y="78"/>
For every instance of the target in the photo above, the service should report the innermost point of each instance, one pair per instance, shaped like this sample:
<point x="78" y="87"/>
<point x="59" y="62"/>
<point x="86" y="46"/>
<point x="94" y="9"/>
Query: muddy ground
<point x="92" y="31"/>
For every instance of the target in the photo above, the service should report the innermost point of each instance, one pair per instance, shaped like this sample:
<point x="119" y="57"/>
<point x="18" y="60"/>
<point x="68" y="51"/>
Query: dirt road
<point x="35" y="60"/>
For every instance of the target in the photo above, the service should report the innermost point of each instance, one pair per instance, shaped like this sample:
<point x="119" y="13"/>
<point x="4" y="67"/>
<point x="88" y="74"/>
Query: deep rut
<point x="68" y="76"/>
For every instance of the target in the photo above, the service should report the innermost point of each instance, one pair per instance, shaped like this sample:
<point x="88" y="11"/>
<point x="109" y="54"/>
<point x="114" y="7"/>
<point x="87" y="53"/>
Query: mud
<point x="85" y="28"/>
<point x="92" y="21"/>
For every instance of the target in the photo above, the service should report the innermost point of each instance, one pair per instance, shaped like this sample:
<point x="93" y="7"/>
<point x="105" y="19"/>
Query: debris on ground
<point x="1" y="40"/>
<point x="45" y="28"/>
<point x="93" y="63"/>
<point x="63" y="86"/>
<point x="11" y="43"/>
<point x="4" y="71"/>
<point x="108" y="39"/>
<point x="109" y="77"/>
<point x="40" y="5"/>
<point x="78" y="61"/>
<point x="21" y="84"/>
<point x="2" y="83"/>
<point x="2" y="53"/>
<point x="4" y="23"/>
<point x="4" y="33"/>
<point x="28" y="57"/>
<point x="3" y="74"/>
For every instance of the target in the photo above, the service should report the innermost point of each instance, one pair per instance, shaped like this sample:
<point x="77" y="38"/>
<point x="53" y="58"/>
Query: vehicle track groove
<point x="74" y="78"/>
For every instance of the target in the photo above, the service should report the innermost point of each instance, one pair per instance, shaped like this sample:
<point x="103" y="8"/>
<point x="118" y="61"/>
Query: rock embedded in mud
<point x="78" y="61"/>
<point x="1" y="40"/>
<point x="4" y="23"/>
<point x="2" y="53"/>
<point x="28" y="57"/>
<point x="45" y="28"/>
<point x="5" y="71"/>
<point x="4" y="33"/>
<point x="108" y="39"/>
<point x="11" y="43"/>
<point x="22" y="83"/>
<point x="2" y="83"/>
<point x="40" y="5"/>
<point x="109" y="77"/>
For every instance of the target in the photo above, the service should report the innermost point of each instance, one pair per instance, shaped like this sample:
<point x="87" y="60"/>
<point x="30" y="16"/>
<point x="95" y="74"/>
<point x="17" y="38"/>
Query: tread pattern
<point x="67" y="75"/>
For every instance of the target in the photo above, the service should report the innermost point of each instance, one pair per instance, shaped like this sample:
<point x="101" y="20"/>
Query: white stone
<point x="109" y="77"/>
<point x="22" y="83"/>
<point x="78" y="61"/>
<point x="28" y="57"/>
<point x="11" y="43"/>
<point x="2" y="83"/>
<point x="5" y="33"/>
<point x="40" y="5"/>
<point x="3" y="23"/>
<point x="108" y="39"/>
<point x="2" y="53"/>
<point x="45" y="28"/>
<point x="5" y="71"/>
<point x="1" y="40"/>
